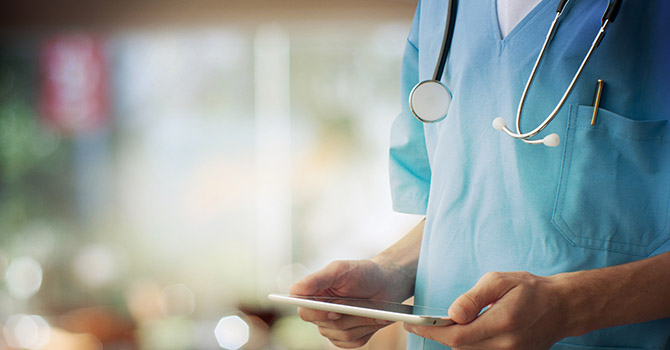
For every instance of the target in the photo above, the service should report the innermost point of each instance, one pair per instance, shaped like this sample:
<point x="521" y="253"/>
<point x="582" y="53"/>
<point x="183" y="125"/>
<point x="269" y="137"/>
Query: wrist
<point x="406" y="268"/>
<point x="581" y="302"/>
<point x="400" y="278"/>
<point x="400" y="260"/>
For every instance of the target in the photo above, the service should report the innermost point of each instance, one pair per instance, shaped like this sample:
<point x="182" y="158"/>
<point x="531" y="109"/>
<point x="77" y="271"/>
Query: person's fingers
<point x="353" y="337"/>
<point x="320" y="281"/>
<point x="490" y="329"/>
<point x="348" y="322"/>
<point x="452" y="336"/>
<point x="491" y="287"/>
<point x="311" y="315"/>
<point x="310" y="284"/>
<point x="352" y="344"/>
<point x="503" y="341"/>
<point x="467" y="336"/>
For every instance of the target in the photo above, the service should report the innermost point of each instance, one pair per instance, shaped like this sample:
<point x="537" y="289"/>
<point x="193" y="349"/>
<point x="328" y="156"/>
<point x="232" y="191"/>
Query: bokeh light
<point x="23" y="277"/>
<point x="232" y="332"/>
<point x="27" y="331"/>
<point x="203" y="335"/>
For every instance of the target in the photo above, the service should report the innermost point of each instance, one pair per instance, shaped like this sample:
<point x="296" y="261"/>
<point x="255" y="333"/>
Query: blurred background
<point x="164" y="165"/>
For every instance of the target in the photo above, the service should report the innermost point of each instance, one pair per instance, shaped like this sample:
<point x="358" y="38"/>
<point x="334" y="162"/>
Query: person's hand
<point x="356" y="279"/>
<point x="525" y="312"/>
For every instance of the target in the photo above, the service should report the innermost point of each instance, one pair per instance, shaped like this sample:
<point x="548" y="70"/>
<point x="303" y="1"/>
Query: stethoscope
<point x="429" y="100"/>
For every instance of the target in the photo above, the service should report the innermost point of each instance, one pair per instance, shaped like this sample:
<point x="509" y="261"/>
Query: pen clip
<point x="600" y="85"/>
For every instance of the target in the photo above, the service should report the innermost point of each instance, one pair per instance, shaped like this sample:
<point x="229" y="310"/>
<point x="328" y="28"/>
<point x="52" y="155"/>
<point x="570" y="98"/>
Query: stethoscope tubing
<point x="608" y="17"/>
<point x="525" y="136"/>
<point x="449" y="25"/>
<point x="552" y="140"/>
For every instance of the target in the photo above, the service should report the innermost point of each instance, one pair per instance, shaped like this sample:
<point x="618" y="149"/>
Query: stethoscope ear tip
<point x="551" y="140"/>
<point x="498" y="123"/>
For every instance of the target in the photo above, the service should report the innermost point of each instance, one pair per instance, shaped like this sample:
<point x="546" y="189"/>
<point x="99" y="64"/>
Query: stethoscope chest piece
<point x="429" y="101"/>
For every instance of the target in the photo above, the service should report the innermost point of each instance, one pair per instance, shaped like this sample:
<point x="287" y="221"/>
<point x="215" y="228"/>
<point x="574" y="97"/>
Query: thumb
<point x="309" y="285"/>
<point x="319" y="281"/>
<point x="489" y="289"/>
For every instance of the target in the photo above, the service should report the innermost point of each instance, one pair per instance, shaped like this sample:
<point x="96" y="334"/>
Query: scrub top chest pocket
<point x="614" y="187"/>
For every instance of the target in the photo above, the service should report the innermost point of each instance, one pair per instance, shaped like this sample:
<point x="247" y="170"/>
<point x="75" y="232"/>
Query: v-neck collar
<point x="532" y="16"/>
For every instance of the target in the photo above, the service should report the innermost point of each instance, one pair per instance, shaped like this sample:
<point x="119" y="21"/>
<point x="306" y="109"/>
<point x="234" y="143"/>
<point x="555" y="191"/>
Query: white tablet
<point x="382" y="310"/>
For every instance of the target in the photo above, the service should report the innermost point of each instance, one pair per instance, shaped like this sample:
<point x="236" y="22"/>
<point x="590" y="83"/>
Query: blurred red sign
<point x="74" y="84"/>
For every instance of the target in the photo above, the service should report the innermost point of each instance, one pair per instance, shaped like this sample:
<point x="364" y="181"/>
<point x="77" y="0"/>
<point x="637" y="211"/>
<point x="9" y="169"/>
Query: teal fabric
<point x="493" y="203"/>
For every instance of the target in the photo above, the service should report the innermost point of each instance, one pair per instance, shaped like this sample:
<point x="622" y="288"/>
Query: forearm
<point x="618" y="295"/>
<point x="403" y="255"/>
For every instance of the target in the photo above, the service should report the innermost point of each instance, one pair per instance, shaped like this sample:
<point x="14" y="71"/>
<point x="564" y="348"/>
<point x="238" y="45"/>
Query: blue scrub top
<point x="493" y="203"/>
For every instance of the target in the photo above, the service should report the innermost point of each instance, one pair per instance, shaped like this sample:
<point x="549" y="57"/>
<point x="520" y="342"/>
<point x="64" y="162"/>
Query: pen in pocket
<point x="600" y="84"/>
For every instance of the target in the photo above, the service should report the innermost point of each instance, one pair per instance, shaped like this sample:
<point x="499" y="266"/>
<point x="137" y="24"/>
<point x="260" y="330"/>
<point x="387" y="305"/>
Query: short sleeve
<point x="409" y="168"/>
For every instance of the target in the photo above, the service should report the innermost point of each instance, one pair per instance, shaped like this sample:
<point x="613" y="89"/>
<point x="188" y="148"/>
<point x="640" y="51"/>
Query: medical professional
<point x="564" y="247"/>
